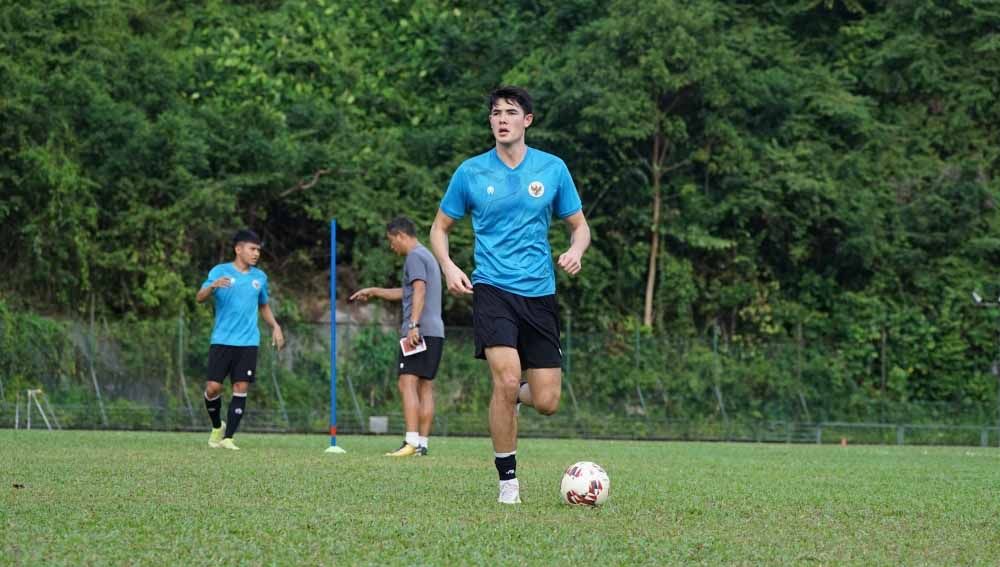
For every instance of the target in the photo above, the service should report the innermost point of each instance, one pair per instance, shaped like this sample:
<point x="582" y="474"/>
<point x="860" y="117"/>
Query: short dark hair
<point x="401" y="224"/>
<point x="511" y="93"/>
<point x="246" y="235"/>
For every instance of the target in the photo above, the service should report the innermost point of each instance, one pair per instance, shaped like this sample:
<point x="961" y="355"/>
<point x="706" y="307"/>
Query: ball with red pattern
<point x="585" y="484"/>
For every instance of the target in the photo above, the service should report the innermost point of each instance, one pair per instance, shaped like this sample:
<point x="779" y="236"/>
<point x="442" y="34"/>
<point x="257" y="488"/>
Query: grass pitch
<point x="77" y="498"/>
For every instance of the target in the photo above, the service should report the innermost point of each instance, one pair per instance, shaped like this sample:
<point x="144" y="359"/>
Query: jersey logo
<point x="255" y="284"/>
<point x="536" y="189"/>
<point x="490" y="190"/>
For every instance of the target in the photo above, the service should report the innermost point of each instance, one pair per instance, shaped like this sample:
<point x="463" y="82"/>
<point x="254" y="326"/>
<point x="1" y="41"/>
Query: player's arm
<point x="458" y="282"/>
<point x="206" y="291"/>
<point x="277" y="337"/>
<point x="419" y="295"/>
<point x="388" y="294"/>
<point x="579" y="240"/>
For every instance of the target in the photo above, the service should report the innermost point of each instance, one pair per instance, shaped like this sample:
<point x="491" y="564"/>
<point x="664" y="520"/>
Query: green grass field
<point x="82" y="498"/>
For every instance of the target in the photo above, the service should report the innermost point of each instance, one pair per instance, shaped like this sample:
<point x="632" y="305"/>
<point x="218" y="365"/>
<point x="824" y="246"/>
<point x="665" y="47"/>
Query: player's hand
<point x="363" y="294"/>
<point x="458" y="282"/>
<point x="224" y="281"/>
<point x="277" y="337"/>
<point x="414" y="337"/>
<point x="571" y="262"/>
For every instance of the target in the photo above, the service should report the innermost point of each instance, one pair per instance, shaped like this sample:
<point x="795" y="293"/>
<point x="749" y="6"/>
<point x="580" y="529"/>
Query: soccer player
<point x="513" y="191"/>
<point x="422" y="323"/>
<point x="240" y="291"/>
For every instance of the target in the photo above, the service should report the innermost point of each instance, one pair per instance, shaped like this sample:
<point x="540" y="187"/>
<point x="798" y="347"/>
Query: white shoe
<point x="510" y="492"/>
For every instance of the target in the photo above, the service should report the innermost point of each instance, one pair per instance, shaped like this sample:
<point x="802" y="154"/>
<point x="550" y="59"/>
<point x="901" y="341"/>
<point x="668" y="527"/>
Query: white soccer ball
<point x="586" y="484"/>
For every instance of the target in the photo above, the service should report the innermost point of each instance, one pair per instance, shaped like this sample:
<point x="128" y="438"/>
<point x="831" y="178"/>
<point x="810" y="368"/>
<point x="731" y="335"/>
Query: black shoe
<point x="421" y="452"/>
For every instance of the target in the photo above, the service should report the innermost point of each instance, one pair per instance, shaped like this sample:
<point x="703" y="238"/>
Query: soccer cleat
<point x="421" y="451"/>
<point x="215" y="437"/>
<point x="510" y="492"/>
<point x="405" y="450"/>
<point x="227" y="443"/>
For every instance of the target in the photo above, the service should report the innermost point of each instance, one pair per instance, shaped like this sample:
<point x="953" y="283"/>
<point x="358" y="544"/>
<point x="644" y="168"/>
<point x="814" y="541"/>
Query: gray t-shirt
<point x="421" y="265"/>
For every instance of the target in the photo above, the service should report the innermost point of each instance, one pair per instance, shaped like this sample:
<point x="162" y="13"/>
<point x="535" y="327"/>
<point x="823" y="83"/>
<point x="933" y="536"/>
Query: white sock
<point x="412" y="438"/>
<point x="423" y="441"/>
<point x="502" y="455"/>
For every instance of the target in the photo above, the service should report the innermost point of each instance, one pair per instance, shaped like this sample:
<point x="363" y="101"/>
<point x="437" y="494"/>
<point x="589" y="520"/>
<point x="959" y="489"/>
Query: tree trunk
<point x="656" y="170"/>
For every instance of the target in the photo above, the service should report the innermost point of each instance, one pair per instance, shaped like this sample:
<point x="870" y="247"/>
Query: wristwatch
<point x="412" y="325"/>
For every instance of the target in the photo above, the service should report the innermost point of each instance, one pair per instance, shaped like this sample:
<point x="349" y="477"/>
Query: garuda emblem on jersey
<point x="536" y="189"/>
<point x="255" y="284"/>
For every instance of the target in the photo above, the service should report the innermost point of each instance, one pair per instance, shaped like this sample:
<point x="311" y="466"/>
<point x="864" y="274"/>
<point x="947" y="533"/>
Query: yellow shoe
<point x="406" y="450"/>
<point x="215" y="437"/>
<point x="227" y="443"/>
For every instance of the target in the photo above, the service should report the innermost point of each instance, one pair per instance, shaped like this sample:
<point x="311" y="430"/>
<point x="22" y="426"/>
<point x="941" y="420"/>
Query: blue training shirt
<point x="511" y="212"/>
<point x="236" y="306"/>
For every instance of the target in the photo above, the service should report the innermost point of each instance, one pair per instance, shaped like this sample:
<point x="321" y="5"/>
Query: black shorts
<point x="529" y="324"/>
<point x="237" y="362"/>
<point x="423" y="364"/>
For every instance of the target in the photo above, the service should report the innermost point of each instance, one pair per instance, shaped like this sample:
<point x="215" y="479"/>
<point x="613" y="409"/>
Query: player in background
<point x="512" y="193"/>
<point x="421" y="297"/>
<point x="240" y="291"/>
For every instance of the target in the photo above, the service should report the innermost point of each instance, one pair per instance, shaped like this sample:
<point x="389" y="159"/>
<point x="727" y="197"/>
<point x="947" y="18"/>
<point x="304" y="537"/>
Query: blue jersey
<point x="236" y="306"/>
<point x="511" y="211"/>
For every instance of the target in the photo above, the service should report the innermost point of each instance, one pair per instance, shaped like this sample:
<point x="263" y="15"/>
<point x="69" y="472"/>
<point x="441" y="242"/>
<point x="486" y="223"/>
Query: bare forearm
<point x="439" y="245"/>
<point x="419" y="294"/>
<point x="390" y="294"/>
<point x="579" y="238"/>
<point x="268" y="315"/>
<point x="203" y="294"/>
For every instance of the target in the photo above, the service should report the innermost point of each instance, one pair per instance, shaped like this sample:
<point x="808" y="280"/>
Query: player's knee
<point x="547" y="403"/>
<point x="507" y="385"/>
<point x="212" y="389"/>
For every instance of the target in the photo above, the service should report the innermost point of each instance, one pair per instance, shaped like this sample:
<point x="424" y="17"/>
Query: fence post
<point x="819" y="434"/>
<point x="277" y="388"/>
<point x="638" y="371"/>
<point x="716" y="370"/>
<point x="347" y="375"/>
<point x="984" y="437"/>
<point x="900" y="434"/>
<point x="569" y="362"/>
<point x="799" y="348"/>
<point x="92" y="346"/>
<point x="180" y="368"/>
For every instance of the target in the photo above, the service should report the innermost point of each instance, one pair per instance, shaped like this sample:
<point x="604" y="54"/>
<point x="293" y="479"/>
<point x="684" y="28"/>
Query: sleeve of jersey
<point x="213" y="275"/>
<point x="567" y="198"/>
<point x="263" y="297"/>
<point x="415" y="269"/>
<point x="454" y="204"/>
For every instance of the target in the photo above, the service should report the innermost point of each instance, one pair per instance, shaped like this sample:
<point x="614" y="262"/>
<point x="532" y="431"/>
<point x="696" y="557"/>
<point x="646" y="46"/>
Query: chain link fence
<point x="625" y="384"/>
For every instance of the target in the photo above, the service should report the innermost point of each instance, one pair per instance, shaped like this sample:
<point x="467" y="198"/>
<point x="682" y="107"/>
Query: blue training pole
<point x="333" y="448"/>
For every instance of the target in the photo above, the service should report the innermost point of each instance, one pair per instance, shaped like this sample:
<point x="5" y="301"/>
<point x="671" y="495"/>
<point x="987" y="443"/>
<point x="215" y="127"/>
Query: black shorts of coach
<point x="528" y="324"/>
<point x="423" y="364"/>
<point x="239" y="363"/>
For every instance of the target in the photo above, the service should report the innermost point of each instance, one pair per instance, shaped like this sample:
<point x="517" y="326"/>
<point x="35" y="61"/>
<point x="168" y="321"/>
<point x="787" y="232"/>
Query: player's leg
<point x="541" y="354"/>
<point x="218" y="365"/>
<point x="425" y="391"/>
<point x="411" y="415"/>
<point x="244" y="373"/>
<point x="505" y="370"/>
<point x="494" y="318"/>
<point x="425" y="387"/>
<point x="543" y="389"/>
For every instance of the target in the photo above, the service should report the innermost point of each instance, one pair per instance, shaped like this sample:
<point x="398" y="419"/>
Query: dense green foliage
<point x="819" y="172"/>
<point x="83" y="498"/>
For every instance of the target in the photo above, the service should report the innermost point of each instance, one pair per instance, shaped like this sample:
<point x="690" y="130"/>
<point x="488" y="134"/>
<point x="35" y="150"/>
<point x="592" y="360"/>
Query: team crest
<point x="255" y="284"/>
<point x="536" y="189"/>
